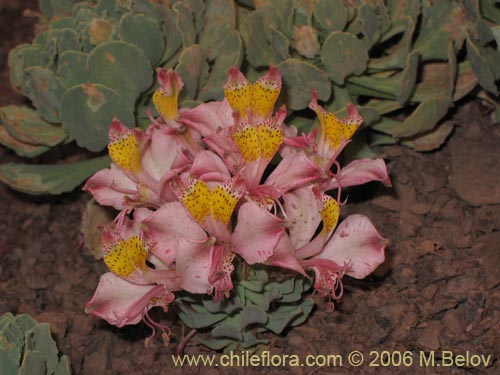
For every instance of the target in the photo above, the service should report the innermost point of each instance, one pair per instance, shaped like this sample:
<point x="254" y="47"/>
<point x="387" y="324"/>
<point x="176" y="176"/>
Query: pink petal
<point x="117" y="130"/>
<point x="193" y="264"/>
<point x="295" y="170"/>
<point x="284" y="256"/>
<point x="359" y="172"/>
<point x="207" y="166"/>
<point x="303" y="215"/>
<point x="110" y="186"/>
<point x="208" y="118"/>
<point x="257" y="233"/>
<point x="160" y="154"/>
<point x="120" y="302"/>
<point x="170" y="81"/>
<point x="166" y="226"/>
<point x="356" y="243"/>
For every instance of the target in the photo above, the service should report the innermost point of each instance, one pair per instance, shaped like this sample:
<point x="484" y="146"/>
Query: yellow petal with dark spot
<point x="335" y="130"/>
<point x="222" y="202"/>
<point x="239" y="96"/>
<point x="125" y="153"/>
<point x="264" y="96"/>
<point x="248" y="143"/>
<point x="330" y="213"/>
<point x="270" y="139"/>
<point x="196" y="199"/>
<point x="126" y="257"/>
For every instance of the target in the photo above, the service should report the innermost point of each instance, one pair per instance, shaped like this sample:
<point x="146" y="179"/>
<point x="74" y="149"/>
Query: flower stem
<point x="183" y="342"/>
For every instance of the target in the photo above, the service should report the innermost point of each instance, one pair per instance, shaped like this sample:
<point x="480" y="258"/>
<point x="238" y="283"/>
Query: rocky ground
<point x="439" y="289"/>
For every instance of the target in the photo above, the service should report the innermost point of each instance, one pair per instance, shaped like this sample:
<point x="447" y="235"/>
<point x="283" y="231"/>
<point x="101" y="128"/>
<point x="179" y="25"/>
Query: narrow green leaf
<point x="431" y="140"/>
<point x="50" y="179"/>
<point x="193" y="69"/>
<point x="20" y="148"/>
<point x="409" y="78"/>
<point x="27" y="126"/>
<point x="475" y="54"/>
<point x="425" y="117"/>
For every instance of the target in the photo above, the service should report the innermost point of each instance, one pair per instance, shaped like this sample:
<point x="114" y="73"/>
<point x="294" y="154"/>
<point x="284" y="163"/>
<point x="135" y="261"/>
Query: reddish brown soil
<point x="439" y="289"/>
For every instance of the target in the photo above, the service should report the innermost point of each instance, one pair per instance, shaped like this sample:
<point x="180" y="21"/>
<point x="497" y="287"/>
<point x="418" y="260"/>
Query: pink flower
<point x="193" y="197"/>
<point x="142" y="166"/>
<point x="120" y="302"/>
<point x="356" y="249"/>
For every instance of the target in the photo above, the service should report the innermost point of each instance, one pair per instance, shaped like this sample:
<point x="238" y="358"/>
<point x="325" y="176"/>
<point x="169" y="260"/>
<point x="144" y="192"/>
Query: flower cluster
<point x="204" y="185"/>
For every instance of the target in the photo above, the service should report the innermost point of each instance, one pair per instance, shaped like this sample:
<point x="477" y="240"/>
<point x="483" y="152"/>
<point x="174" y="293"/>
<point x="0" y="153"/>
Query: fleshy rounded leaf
<point x="122" y="67"/>
<point x="144" y="33"/>
<point x="87" y="111"/>
<point x="300" y="79"/>
<point x="343" y="54"/>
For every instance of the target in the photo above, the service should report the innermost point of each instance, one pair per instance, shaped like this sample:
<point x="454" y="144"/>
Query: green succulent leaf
<point x="439" y="27"/>
<point x="62" y="23"/>
<point x="374" y="20"/>
<point x="38" y="340"/>
<point x="193" y="69"/>
<point x="61" y="40"/>
<point x="425" y="117"/>
<point x="71" y="68"/>
<point x="8" y="365"/>
<point x="27" y="348"/>
<point x="342" y="55"/>
<point x="214" y="343"/>
<point x="431" y="140"/>
<point x="489" y="9"/>
<point x="259" y="305"/>
<point x="496" y="34"/>
<point x="282" y="317"/>
<point x="397" y="58"/>
<point x="45" y="91"/>
<point x="230" y="55"/>
<point x="185" y="23"/>
<point x="480" y="66"/>
<point x="300" y="79"/>
<point x="32" y="363"/>
<point x="409" y="78"/>
<point x="143" y="32"/>
<point x="264" y="43"/>
<point x="307" y="307"/>
<point x="20" y="148"/>
<point x="24" y="322"/>
<point x="22" y="57"/>
<point x="87" y="112"/>
<point x="219" y="19"/>
<point x="173" y="38"/>
<point x="56" y="8"/>
<point x="331" y="15"/>
<point x="27" y="126"/>
<point x="253" y="315"/>
<point x="229" y="328"/>
<point x="50" y="179"/>
<point x="122" y="67"/>
<point x="222" y="46"/>
<point x="389" y="126"/>
<point x="369" y="115"/>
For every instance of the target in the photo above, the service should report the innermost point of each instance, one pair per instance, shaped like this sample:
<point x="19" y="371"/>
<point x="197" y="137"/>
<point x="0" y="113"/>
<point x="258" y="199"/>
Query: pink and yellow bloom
<point x="194" y="196"/>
